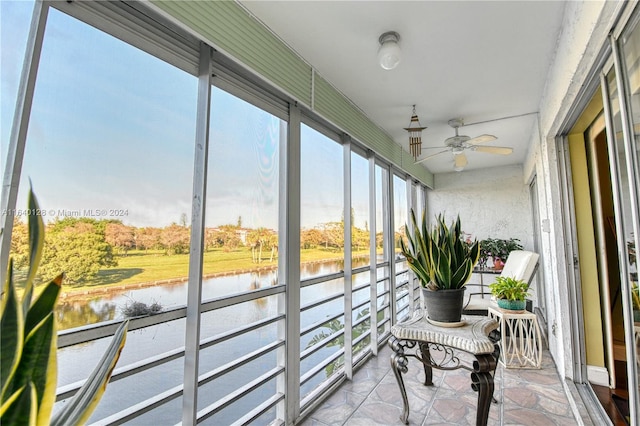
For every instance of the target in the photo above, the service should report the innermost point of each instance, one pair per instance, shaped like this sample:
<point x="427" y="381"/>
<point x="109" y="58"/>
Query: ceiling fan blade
<point x="460" y="161"/>
<point x="502" y="150"/>
<point x="431" y="156"/>
<point x="481" y="139"/>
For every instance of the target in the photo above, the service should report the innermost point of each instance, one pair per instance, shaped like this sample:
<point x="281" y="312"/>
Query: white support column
<point x="17" y="139"/>
<point x="289" y="265"/>
<point x="194" y="295"/>
<point x="411" y="205"/>
<point x="348" y="266"/>
<point x="373" y="254"/>
<point x="389" y="239"/>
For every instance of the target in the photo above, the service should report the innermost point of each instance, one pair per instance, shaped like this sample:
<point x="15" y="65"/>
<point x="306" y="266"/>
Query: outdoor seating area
<point x="532" y="397"/>
<point x="521" y="265"/>
<point x="240" y="228"/>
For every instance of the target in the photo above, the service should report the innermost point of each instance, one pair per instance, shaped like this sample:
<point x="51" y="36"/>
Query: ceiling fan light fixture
<point x="415" y="135"/>
<point x="389" y="53"/>
<point x="459" y="162"/>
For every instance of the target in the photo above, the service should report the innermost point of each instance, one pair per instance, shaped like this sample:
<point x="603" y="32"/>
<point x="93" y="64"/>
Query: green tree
<point x="121" y="237"/>
<point x="333" y="233"/>
<point x="359" y="239"/>
<point x="147" y="238"/>
<point x="228" y="238"/>
<point x="175" y="239"/>
<point x="78" y="247"/>
<point x="311" y="238"/>
<point x="259" y="239"/>
<point x="20" y="244"/>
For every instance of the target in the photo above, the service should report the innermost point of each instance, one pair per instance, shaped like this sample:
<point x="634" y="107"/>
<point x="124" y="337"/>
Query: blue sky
<point x="113" y="128"/>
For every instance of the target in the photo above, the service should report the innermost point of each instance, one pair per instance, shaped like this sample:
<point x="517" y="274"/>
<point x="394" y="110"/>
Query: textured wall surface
<point x="492" y="203"/>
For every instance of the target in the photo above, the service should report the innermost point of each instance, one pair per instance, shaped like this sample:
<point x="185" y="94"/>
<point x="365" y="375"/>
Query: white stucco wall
<point x="586" y="26"/>
<point x="492" y="203"/>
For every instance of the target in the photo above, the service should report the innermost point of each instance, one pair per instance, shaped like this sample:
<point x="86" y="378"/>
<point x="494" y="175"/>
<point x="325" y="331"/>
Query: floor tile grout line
<point x="501" y="392"/>
<point x="367" y="396"/>
<point x="434" y="397"/>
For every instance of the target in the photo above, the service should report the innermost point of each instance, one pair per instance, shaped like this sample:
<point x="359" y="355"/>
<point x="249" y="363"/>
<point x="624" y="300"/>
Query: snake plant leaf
<point x="438" y="255"/>
<point x="79" y="409"/>
<point x="44" y="304"/>
<point x="36" y="242"/>
<point x="8" y="403"/>
<point x="11" y="332"/>
<point x="21" y="408"/>
<point x="46" y="378"/>
<point x="36" y="365"/>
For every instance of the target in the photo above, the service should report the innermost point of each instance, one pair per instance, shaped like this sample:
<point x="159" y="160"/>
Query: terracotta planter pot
<point x="498" y="264"/>
<point x="444" y="305"/>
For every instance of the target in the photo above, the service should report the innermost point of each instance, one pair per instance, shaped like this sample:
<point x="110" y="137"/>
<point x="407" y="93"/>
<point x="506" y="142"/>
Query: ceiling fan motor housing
<point x="456" y="142"/>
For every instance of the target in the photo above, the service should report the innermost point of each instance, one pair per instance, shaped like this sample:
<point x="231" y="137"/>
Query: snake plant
<point x="438" y="255"/>
<point x="28" y="367"/>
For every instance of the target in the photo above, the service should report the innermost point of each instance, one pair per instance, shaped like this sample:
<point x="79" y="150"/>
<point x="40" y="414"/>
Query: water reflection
<point x="76" y="311"/>
<point x="72" y="313"/>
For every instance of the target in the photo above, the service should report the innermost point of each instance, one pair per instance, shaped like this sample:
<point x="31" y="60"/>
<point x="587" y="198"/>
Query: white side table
<point x="521" y="342"/>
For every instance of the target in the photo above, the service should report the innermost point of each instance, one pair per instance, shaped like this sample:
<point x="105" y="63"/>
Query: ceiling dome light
<point x="389" y="52"/>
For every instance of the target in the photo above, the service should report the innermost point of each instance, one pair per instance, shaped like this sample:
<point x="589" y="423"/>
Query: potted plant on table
<point x="498" y="249"/>
<point x="510" y="293"/>
<point x="443" y="262"/>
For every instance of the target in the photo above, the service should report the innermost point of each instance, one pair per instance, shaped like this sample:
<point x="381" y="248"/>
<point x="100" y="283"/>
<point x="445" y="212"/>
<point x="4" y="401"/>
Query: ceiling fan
<point x="459" y="143"/>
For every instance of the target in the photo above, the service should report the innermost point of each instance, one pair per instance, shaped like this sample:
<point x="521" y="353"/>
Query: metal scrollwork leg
<point x="426" y="357"/>
<point x="399" y="365"/>
<point x="482" y="382"/>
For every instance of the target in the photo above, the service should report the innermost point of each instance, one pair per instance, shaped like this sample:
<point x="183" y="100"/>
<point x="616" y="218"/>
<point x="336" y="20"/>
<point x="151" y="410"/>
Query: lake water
<point x="75" y="363"/>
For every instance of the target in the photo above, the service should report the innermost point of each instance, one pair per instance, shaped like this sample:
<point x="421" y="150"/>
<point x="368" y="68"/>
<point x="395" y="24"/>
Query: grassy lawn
<point x="145" y="266"/>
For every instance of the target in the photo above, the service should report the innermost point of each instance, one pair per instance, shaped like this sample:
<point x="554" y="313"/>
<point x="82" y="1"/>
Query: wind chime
<point x="415" y="135"/>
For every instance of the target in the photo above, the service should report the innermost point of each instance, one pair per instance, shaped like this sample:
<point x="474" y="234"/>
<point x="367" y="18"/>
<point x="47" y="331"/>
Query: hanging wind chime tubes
<point x="415" y="135"/>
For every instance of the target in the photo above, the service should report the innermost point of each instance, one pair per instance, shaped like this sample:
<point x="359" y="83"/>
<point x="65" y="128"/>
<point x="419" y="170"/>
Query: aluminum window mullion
<point x="321" y="302"/>
<point x="411" y="205"/>
<point x="229" y="399"/>
<point x="320" y="366"/>
<point x="232" y="365"/>
<point x="320" y="323"/>
<point x="321" y="279"/>
<point x="373" y="254"/>
<point x="19" y="127"/>
<point x="254" y="414"/>
<point x="289" y="266"/>
<point x="194" y="292"/>
<point x="389" y="237"/>
<point x="321" y="344"/>
<point x="348" y="258"/>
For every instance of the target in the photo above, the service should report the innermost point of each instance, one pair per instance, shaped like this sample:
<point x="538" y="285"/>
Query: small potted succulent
<point x="510" y="293"/>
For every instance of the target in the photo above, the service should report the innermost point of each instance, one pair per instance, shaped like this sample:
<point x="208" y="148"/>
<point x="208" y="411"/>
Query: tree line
<point x="83" y="246"/>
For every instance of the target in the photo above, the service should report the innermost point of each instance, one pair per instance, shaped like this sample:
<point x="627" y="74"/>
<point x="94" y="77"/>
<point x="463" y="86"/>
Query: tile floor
<point x="527" y="397"/>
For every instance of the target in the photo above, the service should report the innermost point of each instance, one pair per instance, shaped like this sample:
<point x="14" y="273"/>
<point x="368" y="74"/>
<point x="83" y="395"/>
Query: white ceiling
<point x="476" y="60"/>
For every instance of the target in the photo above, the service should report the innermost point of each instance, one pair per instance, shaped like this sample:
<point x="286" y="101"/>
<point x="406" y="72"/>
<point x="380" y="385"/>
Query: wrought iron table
<point x="437" y="348"/>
